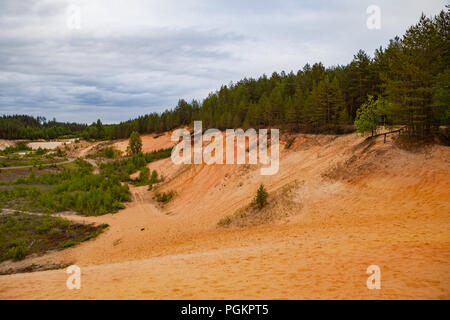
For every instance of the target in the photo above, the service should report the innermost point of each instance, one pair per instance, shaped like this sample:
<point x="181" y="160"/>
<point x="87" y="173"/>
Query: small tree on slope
<point x="261" y="197"/>
<point x="135" y="144"/>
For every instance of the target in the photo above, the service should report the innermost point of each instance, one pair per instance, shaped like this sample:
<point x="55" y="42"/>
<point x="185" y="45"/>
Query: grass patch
<point x="164" y="197"/>
<point x="11" y="162"/>
<point x="129" y="165"/>
<point x="24" y="234"/>
<point x="67" y="190"/>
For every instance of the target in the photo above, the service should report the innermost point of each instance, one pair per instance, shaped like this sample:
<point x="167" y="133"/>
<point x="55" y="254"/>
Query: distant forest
<point x="411" y="76"/>
<point x="26" y="127"/>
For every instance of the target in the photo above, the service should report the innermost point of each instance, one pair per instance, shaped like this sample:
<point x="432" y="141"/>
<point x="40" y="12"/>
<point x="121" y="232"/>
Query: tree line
<point x="411" y="76"/>
<point x="28" y="127"/>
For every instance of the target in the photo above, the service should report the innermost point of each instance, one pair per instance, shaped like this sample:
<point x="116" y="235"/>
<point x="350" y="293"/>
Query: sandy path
<point x="83" y="152"/>
<point x="392" y="210"/>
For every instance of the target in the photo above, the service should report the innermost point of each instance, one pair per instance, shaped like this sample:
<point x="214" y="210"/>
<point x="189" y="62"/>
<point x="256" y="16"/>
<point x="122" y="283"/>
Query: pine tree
<point x="261" y="197"/>
<point x="135" y="144"/>
<point x="367" y="117"/>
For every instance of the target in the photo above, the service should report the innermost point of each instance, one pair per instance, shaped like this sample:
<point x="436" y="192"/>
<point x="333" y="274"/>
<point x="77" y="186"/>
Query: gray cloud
<point x="135" y="57"/>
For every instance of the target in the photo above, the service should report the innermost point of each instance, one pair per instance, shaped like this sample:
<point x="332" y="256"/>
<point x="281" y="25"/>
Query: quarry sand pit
<point x="386" y="206"/>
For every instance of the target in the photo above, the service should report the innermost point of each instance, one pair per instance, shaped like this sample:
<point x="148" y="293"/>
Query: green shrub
<point x="164" y="197"/>
<point x="16" y="252"/>
<point x="134" y="144"/>
<point x="144" y="175"/>
<point x="68" y="244"/>
<point x="261" y="197"/>
<point x="109" y="152"/>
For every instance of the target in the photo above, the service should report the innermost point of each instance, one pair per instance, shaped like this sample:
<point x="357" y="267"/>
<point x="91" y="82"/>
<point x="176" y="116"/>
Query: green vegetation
<point x="261" y="197"/>
<point x="21" y="146"/>
<point x="412" y="74"/>
<point x="164" y="197"/>
<point x="125" y="166"/>
<point x="23" y="234"/>
<point x="158" y="155"/>
<point x="4" y="163"/>
<point x="22" y="155"/>
<point x="71" y="189"/>
<point x="109" y="152"/>
<point x="283" y="203"/>
<point x="27" y="127"/>
<point x="254" y="210"/>
<point x="144" y="175"/>
<point x="368" y="116"/>
<point x="135" y="144"/>
<point x="154" y="179"/>
<point x="106" y="152"/>
<point x="94" y="131"/>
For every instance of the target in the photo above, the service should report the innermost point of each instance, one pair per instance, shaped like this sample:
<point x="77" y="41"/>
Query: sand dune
<point x="353" y="204"/>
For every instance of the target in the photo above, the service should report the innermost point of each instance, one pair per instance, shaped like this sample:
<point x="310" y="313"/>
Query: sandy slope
<point x="354" y="204"/>
<point x="150" y="142"/>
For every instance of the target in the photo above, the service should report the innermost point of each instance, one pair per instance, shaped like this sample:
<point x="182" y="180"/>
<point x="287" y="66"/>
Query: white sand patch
<point x="48" y="145"/>
<point x="5" y="143"/>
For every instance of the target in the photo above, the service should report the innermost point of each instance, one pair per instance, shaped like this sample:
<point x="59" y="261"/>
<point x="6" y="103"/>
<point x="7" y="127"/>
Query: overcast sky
<point x="122" y="59"/>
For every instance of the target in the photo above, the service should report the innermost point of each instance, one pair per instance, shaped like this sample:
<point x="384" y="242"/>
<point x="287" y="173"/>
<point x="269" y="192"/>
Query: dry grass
<point x="280" y="204"/>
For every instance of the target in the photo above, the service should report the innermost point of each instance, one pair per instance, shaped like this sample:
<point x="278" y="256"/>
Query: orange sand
<point x="149" y="142"/>
<point x="360" y="205"/>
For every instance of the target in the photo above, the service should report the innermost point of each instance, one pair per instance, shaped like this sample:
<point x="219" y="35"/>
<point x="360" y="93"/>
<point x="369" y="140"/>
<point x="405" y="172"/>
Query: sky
<point x="82" y="60"/>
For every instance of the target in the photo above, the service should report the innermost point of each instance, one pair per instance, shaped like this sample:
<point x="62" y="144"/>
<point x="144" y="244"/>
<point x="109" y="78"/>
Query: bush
<point x="68" y="244"/>
<point x="21" y="146"/>
<point x="109" y="152"/>
<point x="164" y="197"/>
<point x="261" y="197"/>
<point x="144" y="175"/>
<point x="16" y="252"/>
<point x="153" y="179"/>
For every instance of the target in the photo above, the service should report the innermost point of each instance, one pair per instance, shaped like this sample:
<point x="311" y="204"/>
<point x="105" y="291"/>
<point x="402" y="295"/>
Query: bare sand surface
<point x="150" y="142"/>
<point x="352" y="204"/>
<point x="5" y="143"/>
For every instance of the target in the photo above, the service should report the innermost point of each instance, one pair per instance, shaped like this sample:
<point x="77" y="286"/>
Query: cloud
<point x="134" y="57"/>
